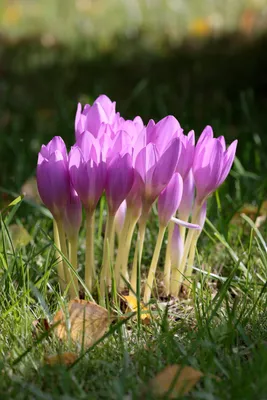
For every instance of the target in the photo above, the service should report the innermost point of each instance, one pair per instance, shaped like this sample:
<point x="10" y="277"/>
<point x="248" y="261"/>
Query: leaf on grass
<point x="257" y="215"/>
<point x="19" y="235"/>
<point x="85" y="322"/>
<point x="30" y="191"/>
<point x="67" y="358"/>
<point x="175" y="380"/>
<point x="132" y="306"/>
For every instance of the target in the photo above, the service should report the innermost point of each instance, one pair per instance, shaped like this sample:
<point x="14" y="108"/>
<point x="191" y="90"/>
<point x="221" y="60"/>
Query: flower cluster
<point x="134" y="165"/>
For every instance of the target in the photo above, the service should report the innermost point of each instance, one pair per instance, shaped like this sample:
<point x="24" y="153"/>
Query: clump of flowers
<point x="133" y="165"/>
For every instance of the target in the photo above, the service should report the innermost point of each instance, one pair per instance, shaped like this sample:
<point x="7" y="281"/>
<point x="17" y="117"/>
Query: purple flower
<point x="72" y="214"/>
<point x="134" y="198"/>
<point x="120" y="178"/>
<point x="186" y="204"/>
<point x="169" y="199"/>
<point x="52" y="176"/>
<point x="87" y="170"/>
<point x="186" y="158"/>
<point x="212" y="163"/>
<point x="162" y="133"/>
<point x="156" y="170"/>
<point x="120" y="217"/>
<point x="90" y="118"/>
<point x="121" y="144"/>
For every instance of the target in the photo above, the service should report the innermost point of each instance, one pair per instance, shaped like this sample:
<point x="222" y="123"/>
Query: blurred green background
<point x="203" y="61"/>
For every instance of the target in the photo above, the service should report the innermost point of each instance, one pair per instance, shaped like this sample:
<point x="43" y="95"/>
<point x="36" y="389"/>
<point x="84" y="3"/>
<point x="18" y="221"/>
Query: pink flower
<point x="120" y="178"/>
<point x="156" y="170"/>
<point x="87" y="170"/>
<point x="169" y="199"/>
<point x="73" y="214"/>
<point x="90" y="118"/>
<point x="53" y="176"/>
<point x="212" y="163"/>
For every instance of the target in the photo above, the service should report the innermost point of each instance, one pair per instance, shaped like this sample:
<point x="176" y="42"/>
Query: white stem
<point x="167" y="265"/>
<point x="60" y="267"/>
<point x="89" y="250"/>
<point x="153" y="265"/>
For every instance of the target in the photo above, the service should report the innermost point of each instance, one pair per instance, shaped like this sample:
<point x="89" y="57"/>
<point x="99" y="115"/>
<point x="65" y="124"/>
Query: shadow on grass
<point x="222" y="82"/>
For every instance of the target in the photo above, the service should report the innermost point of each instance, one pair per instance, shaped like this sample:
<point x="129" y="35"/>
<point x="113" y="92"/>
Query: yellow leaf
<point x="20" y="236"/>
<point x="175" y="380"/>
<point x="12" y="15"/>
<point x="200" y="27"/>
<point x="67" y="358"/>
<point x="131" y="302"/>
<point x="85" y="321"/>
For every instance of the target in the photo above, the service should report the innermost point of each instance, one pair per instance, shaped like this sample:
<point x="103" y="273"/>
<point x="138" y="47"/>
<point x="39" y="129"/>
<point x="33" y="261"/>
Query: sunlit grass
<point x="221" y="330"/>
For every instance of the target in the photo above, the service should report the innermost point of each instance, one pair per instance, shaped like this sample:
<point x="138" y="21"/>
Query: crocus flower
<point x="162" y="133"/>
<point x="186" y="159"/>
<point x="91" y="117"/>
<point x="186" y="203"/>
<point x="156" y="170"/>
<point x="87" y="170"/>
<point x="120" y="178"/>
<point x="72" y="214"/>
<point x="120" y="217"/>
<point x="212" y="163"/>
<point x="53" y="176"/>
<point x="169" y="199"/>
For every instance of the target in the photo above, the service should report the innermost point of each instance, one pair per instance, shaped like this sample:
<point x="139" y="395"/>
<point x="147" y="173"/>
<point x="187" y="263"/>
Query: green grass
<point x="222" y="329"/>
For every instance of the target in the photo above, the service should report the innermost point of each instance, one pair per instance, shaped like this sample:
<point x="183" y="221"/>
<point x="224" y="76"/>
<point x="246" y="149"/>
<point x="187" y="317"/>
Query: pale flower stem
<point x="121" y="247"/>
<point x="111" y="255"/>
<point x="182" y="232"/>
<point x="60" y="267"/>
<point x="109" y="233"/>
<point x="191" y="259"/>
<point x="138" y="251"/>
<point x="89" y="250"/>
<point x="167" y="264"/>
<point x="126" y="252"/>
<point x="63" y="245"/>
<point x="178" y="275"/>
<point x="153" y="265"/>
<point x="73" y="257"/>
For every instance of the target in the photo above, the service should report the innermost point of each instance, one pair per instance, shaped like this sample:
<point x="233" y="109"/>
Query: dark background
<point x="200" y="74"/>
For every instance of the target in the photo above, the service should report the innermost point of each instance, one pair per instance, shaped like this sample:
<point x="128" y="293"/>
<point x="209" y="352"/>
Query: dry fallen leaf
<point x="19" y="235"/>
<point x="257" y="215"/>
<point x="85" y="321"/>
<point x="40" y="326"/>
<point x="175" y="380"/>
<point x="131" y="302"/>
<point x="63" y="358"/>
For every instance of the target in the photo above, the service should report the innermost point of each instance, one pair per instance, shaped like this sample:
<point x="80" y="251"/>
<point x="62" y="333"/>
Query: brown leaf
<point x="87" y="322"/>
<point x="67" y="358"/>
<point x="253" y="212"/>
<point x="260" y="220"/>
<point x="39" y="326"/>
<point x="131" y="302"/>
<point x="175" y="380"/>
